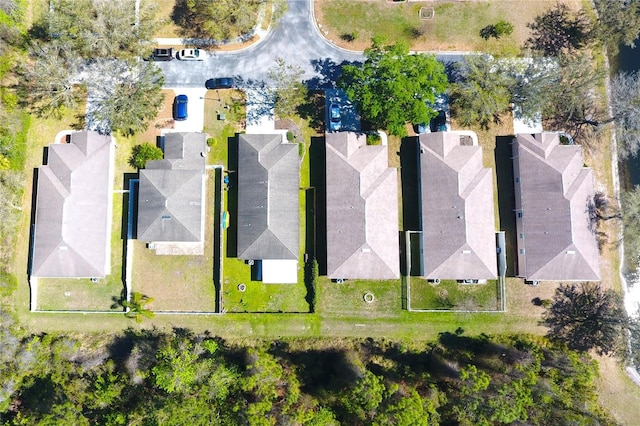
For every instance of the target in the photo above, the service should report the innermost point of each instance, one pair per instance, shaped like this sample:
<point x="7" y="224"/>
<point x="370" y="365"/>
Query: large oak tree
<point x="585" y="316"/>
<point x="394" y="87"/>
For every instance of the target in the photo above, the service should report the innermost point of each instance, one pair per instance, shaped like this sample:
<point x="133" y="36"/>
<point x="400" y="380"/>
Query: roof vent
<point x="166" y="217"/>
<point x="571" y="252"/>
<point x="466" y="251"/>
<point x="366" y="250"/>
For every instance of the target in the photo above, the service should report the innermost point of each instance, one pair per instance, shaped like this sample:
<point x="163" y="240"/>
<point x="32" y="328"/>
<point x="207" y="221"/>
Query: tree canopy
<point x="393" y="87"/>
<point x="126" y="97"/>
<point x="631" y="222"/>
<point x="218" y="20"/>
<point x="585" y="316"/>
<point x="290" y="92"/>
<point x="179" y="377"/>
<point x="482" y="90"/>
<point x="625" y="104"/>
<point x="105" y="29"/>
<point x="618" y="23"/>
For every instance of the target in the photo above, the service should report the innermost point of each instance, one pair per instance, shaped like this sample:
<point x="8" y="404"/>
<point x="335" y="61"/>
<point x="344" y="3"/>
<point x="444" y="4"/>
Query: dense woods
<point x="153" y="377"/>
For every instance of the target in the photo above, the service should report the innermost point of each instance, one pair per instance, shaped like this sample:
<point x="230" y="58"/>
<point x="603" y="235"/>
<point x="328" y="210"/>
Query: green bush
<point x="501" y="28"/>
<point x="373" y="139"/>
<point x="310" y="279"/>
<point x="143" y="153"/>
<point x="211" y="141"/>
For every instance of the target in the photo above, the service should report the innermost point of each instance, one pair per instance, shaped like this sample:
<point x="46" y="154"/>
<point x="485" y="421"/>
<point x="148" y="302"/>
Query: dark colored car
<point x="335" y="118"/>
<point x="180" y="107"/>
<point x="219" y="83"/>
<point x="162" y="55"/>
<point x="439" y="122"/>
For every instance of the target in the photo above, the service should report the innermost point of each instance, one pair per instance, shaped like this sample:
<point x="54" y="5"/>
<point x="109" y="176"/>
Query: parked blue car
<point x="180" y="107"/>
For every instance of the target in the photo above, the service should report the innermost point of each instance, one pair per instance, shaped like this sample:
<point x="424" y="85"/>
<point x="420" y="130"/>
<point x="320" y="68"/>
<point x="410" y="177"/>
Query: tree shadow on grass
<point x="320" y="371"/>
<point x="188" y="24"/>
<point x="314" y="110"/>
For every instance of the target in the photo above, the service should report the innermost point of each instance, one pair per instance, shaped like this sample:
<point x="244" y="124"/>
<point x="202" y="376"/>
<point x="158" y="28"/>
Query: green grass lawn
<point x="178" y="283"/>
<point x="451" y="295"/>
<point x="259" y="297"/>
<point x="232" y="104"/>
<point x="455" y="26"/>
<point x="347" y="298"/>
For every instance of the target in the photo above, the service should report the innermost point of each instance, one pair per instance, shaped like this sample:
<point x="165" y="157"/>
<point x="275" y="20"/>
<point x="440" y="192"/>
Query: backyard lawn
<point x="348" y="298"/>
<point x="178" y="283"/>
<point x="449" y="295"/>
<point x="81" y="294"/>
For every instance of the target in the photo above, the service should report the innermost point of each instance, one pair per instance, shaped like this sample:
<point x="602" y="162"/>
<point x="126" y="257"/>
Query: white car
<point x="191" y="55"/>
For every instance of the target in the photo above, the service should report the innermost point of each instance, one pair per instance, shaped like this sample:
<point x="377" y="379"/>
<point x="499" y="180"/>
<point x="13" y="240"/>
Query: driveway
<point x="195" y="109"/>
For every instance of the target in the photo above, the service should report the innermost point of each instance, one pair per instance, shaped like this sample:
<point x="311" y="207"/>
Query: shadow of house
<point x="506" y="199"/>
<point x="317" y="160"/>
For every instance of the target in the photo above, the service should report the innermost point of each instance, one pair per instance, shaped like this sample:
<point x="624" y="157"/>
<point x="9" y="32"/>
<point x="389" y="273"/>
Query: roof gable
<point x="73" y="209"/>
<point x="268" y="197"/>
<point x="362" y="213"/>
<point x="170" y="205"/>
<point x="555" y="190"/>
<point x="457" y="209"/>
<point x="171" y="201"/>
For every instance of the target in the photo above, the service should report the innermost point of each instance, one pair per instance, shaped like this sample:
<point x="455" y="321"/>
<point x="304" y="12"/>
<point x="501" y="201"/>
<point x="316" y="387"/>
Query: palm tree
<point x="136" y="306"/>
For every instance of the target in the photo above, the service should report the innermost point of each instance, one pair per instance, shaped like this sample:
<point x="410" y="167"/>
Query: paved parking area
<point x="195" y="109"/>
<point x="350" y="119"/>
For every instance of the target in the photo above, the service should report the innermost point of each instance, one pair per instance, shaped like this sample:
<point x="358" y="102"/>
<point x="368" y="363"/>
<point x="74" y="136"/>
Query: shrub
<point x="211" y="141"/>
<point x="143" y="153"/>
<point x="373" y="139"/>
<point x="310" y="279"/>
<point x="501" y="28"/>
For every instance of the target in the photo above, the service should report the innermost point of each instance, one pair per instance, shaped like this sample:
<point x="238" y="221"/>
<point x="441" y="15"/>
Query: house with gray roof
<point x="268" y="205"/>
<point x="553" y="191"/>
<point x="362" y="209"/>
<point x="73" y="207"/>
<point x="171" y="200"/>
<point x="457" y="210"/>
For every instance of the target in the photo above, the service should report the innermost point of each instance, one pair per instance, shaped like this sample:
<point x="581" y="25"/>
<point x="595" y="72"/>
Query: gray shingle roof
<point x="73" y="209"/>
<point x="268" y="197"/>
<point x="553" y="191"/>
<point x="458" y="216"/>
<point x="362" y="209"/>
<point x="171" y="201"/>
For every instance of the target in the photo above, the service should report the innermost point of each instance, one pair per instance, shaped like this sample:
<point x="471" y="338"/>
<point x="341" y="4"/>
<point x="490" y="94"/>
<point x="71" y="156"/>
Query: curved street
<point x="296" y="39"/>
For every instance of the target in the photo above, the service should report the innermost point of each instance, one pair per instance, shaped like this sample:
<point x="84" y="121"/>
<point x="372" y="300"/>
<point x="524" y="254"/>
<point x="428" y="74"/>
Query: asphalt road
<point x="296" y="39"/>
